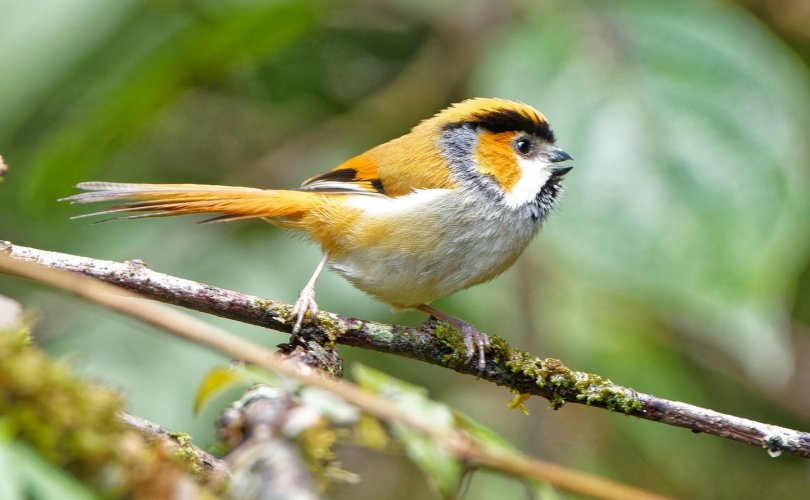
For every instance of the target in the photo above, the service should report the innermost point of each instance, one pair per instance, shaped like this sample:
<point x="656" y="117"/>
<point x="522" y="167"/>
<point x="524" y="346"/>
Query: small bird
<point x="449" y="205"/>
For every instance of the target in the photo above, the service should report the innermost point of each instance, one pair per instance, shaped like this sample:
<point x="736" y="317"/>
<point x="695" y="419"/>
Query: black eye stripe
<point x="507" y="121"/>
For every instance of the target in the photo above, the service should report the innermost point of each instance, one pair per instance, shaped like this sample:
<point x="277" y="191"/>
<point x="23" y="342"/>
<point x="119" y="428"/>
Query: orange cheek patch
<point x="496" y="157"/>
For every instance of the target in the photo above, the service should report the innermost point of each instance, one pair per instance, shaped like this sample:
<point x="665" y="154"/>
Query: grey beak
<point x="560" y="171"/>
<point x="556" y="155"/>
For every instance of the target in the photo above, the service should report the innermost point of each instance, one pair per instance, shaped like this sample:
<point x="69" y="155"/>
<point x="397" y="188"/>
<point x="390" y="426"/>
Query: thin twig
<point x="211" y="469"/>
<point x="459" y="444"/>
<point x="509" y="367"/>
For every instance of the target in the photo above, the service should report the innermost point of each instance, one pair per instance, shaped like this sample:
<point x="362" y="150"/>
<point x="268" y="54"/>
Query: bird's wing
<point x="360" y="175"/>
<point x="393" y="169"/>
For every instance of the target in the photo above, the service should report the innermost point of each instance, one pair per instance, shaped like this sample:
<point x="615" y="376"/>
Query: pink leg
<point x="473" y="339"/>
<point x="306" y="299"/>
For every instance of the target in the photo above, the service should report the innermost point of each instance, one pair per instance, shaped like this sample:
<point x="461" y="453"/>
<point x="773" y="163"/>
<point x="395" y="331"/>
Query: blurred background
<point x="678" y="262"/>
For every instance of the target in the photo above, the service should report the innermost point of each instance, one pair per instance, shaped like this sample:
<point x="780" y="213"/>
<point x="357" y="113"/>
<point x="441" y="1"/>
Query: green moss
<point x="556" y="401"/>
<point x="185" y="452"/>
<point x="500" y="350"/>
<point x="75" y="425"/>
<point x="330" y="327"/>
<point x="317" y="443"/>
<point x="451" y="336"/>
<point x="519" y="402"/>
<point x="593" y="388"/>
<point x="70" y="423"/>
<point x="383" y="334"/>
<point x="274" y="308"/>
<point x="562" y="384"/>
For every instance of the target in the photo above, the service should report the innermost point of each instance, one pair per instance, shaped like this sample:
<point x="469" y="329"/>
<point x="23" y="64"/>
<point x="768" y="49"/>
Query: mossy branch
<point x="211" y="470"/>
<point x="460" y="444"/>
<point x="433" y="343"/>
<point x="74" y="424"/>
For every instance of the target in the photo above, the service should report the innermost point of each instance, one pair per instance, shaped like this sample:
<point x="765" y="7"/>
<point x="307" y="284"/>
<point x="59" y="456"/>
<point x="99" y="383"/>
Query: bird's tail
<point x="162" y="200"/>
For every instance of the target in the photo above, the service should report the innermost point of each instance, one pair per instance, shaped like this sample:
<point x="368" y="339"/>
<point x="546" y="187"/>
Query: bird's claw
<point x="475" y="340"/>
<point x="305" y="302"/>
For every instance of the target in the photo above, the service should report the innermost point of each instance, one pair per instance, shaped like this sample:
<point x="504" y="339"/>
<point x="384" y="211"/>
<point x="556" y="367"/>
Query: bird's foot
<point x="475" y="341"/>
<point x="305" y="302"/>
<point x="472" y="338"/>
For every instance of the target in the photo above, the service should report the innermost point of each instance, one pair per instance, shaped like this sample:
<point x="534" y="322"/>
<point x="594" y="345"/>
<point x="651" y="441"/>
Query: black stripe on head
<point x="508" y="120"/>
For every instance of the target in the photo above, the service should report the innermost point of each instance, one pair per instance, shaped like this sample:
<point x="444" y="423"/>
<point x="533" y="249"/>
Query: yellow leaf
<point x="216" y="381"/>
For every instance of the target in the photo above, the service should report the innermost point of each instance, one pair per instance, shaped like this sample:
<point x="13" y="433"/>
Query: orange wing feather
<point x="395" y="168"/>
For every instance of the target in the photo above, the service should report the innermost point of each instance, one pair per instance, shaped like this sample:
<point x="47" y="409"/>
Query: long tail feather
<point x="161" y="200"/>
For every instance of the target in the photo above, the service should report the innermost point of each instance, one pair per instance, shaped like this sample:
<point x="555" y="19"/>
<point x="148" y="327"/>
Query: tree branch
<point x="212" y="470"/>
<point x="461" y="445"/>
<point x="434" y="343"/>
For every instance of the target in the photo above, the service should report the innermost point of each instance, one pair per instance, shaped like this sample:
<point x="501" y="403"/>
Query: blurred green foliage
<point x="676" y="264"/>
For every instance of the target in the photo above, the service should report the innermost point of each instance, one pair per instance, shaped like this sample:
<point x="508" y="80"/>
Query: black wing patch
<point x="343" y="180"/>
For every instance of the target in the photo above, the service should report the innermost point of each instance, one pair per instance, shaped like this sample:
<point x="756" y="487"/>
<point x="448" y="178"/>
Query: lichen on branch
<point x="434" y="343"/>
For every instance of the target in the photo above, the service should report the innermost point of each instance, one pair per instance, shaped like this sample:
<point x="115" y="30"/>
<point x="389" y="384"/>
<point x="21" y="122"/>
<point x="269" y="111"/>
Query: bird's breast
<point x="429" y="244"/>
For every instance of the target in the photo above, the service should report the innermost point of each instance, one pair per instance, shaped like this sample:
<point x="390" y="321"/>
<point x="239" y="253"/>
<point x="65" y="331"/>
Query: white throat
<point x="534" y="173"/>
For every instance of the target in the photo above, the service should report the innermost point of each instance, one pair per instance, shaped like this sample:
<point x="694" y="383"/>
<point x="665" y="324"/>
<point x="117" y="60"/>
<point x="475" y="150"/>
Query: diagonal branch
<point x="462" y="445"/>
<point x="212" y="470"/>
<point x="433" y="343"/>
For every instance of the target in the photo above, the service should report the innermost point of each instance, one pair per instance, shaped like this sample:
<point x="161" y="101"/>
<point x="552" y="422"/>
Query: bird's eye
<point x="524" y="146"/>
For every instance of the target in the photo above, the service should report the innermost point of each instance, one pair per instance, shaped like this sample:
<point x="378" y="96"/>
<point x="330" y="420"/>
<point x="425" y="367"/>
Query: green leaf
<point x="441" y="467"/>
<point x="687" y="122"/>
<point x="26" y="475"/>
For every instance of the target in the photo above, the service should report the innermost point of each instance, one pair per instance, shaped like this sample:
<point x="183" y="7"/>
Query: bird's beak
<point x="556" y="155"/>
<point x="560" y="171"/>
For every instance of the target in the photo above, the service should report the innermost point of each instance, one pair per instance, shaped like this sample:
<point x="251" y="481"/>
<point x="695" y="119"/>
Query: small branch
<point x="433" y="343"/>
<point x="461" y="445"/>
<point x="262" y="458"/>
<point x="212" y="470"/>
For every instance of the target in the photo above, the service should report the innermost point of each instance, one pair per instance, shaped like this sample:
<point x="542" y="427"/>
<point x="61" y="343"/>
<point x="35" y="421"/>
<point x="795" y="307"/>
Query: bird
<point x="448" y="205"/>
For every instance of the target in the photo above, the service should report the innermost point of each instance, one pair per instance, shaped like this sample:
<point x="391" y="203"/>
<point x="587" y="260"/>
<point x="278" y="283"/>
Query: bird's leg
<point x="306" y="299"/>
<point x="473" y="339"/>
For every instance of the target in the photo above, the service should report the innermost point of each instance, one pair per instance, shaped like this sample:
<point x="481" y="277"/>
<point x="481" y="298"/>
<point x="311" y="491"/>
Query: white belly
<point x="434" y="243"/>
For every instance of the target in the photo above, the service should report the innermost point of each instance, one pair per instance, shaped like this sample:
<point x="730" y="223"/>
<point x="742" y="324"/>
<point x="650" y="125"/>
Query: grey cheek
<point x="458" y="146"/>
